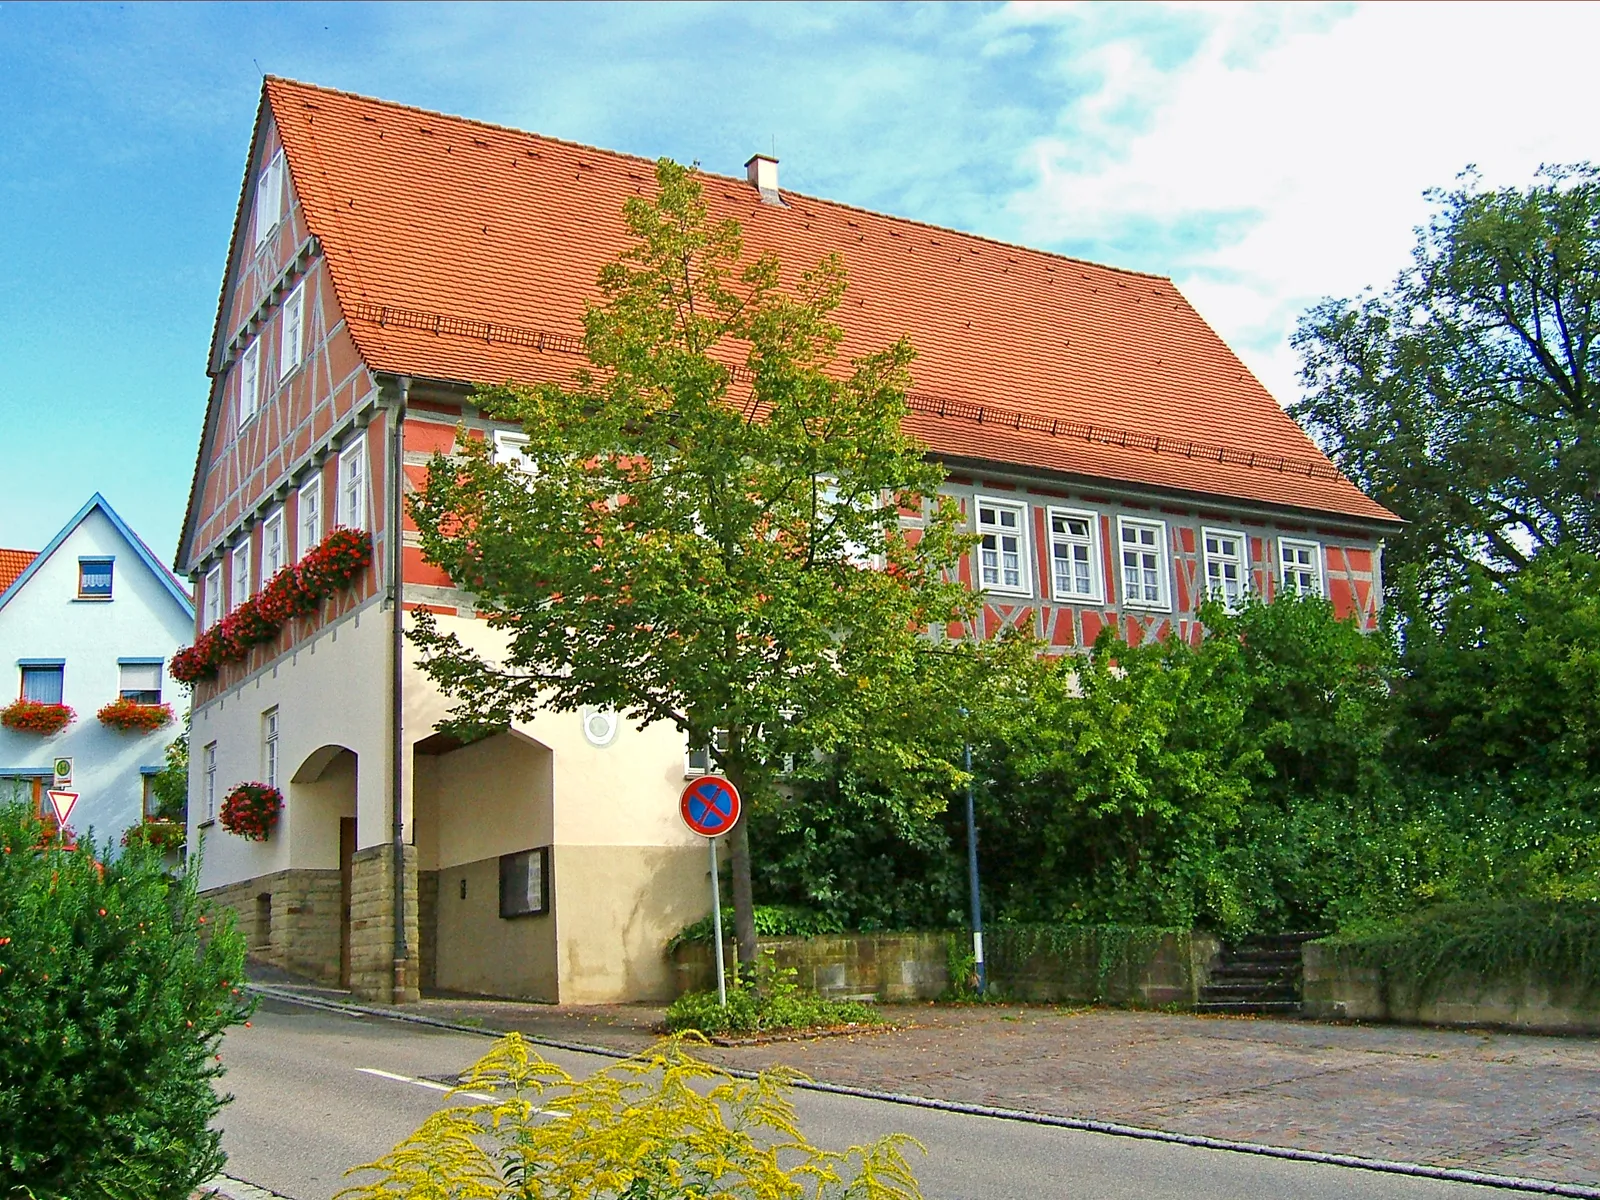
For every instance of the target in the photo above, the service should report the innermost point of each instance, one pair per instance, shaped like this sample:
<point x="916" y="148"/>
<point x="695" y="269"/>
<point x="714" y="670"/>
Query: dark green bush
<point x="774" y="1002"/>
<point x="1556" y="942"/>
<point x="112" y="1004"/>
<point x="772" y="920"/>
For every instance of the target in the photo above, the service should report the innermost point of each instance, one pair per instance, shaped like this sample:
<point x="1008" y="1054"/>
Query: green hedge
<point x="1556" y="942"/>
<point x="772" y="920"/>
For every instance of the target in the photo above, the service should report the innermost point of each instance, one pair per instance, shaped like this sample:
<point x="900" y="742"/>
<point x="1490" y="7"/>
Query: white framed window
<point x="308" y="512"/>
<point x="1074" y="555"/>
<point x="269" y="198"/>
<point x="95" y="578"/>
<point x="353" y="485"/>
<point x="274" y="552"/>
<point x="208" y="781"/>
<point x="239" y="561"/>
<point x="249" y="383"/>
<point x="1142" y="547"/>
<point x="697" y="760"/>
<point x="291" y="332"/>
<point x="269" y="746"/>
<point x="1227" y="570"/>
<point x="1301" y="566"/>
<point x="511" y="449"/>
<point x="139" y="680"/>
<point x="1002" y="545"/>
<point x="213" y="601"/>
<point x="829" y="501"/>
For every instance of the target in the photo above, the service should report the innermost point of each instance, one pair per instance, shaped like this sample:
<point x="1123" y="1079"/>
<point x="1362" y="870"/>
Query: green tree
<point x="171" y="783"/>
<point x="1465" y="397"/>
<point x="707" y="530"/>
<point x="113" y="998"/>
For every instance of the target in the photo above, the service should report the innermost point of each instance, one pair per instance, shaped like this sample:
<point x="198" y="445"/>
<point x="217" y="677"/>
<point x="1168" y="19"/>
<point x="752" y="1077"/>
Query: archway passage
<point x="477" y="810"/>
<point x="322" y="831"/>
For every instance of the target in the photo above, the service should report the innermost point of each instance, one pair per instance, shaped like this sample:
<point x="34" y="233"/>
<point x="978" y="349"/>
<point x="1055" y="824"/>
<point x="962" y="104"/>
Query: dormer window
<point x="94" y="578"/>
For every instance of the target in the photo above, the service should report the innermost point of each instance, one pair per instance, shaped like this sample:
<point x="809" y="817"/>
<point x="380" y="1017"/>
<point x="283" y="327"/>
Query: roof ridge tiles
<point x="720" y="178"/>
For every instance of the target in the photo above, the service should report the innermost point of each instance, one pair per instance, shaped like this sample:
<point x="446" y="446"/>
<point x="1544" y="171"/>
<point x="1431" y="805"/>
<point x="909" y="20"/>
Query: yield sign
<point x="62" y="802"/>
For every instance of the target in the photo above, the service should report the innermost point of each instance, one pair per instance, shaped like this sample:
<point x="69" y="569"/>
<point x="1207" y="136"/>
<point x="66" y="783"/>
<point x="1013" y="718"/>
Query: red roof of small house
<point x="466" y="251"/>
<point x="12" y="564"/>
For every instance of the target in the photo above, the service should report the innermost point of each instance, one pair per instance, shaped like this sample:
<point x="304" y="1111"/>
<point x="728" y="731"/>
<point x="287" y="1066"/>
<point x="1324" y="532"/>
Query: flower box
<point x="251" y="810"/>
<point x="126" y="714"/>
<point x="32" y="716"/>
<point x="295" y="591"/>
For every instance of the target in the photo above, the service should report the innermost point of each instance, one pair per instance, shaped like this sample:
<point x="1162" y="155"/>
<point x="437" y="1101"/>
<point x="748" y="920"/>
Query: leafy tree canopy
<point x="707" y="527"/>
<point x="1465" y="397"/>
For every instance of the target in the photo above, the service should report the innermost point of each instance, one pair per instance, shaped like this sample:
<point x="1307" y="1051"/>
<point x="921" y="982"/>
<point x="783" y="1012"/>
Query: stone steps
<point x="1258" y="976"/>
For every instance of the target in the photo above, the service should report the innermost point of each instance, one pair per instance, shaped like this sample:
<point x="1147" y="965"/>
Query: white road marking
<point x="431" y="1085"/>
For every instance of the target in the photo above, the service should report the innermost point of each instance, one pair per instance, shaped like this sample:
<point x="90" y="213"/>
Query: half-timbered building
<point x="1117" y="459"/>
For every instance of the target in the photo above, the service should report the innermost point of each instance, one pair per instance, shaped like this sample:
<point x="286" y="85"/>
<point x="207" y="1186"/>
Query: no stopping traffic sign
<point x="710" y="806"/>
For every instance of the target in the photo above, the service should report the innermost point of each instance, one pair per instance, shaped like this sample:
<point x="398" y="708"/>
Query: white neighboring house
<point x="91" y="617"/>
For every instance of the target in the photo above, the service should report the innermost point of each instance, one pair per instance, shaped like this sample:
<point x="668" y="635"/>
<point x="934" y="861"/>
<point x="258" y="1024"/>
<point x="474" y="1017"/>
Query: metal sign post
<point x="710" y="807"/>
<point x="716" y="925"/>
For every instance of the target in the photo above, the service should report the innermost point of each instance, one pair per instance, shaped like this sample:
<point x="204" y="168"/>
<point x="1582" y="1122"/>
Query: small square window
<point x="43" y="683"/>
<point x="94" y="578"/>
<point x="525" y="883"/>
<point x="697" y="760"/>
<point x="140" y="682"/>
<point x="1301" y="566"/>
<point x="511" y="449"/>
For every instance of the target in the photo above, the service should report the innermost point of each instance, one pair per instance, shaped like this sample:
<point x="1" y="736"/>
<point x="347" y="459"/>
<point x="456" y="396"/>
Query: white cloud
<point x="1286" y="159"/>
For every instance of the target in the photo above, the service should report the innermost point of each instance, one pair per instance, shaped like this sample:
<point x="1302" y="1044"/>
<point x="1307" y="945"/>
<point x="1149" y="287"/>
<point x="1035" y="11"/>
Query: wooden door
<point x="347" y="853"/>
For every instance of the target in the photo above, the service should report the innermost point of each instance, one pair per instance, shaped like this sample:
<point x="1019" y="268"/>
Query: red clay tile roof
<point x="465" y="251"/>
<point x="12" y="564"/>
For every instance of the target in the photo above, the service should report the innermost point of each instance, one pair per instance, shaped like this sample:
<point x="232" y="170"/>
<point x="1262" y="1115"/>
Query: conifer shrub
<point x="114" y="994"/>
<point x="660" y="1126"/>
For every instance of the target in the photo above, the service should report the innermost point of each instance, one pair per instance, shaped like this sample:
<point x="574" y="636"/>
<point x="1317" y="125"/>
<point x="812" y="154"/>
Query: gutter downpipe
<point x="396" y="539"/>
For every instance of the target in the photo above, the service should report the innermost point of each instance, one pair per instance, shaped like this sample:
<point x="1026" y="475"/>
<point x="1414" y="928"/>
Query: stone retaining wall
<point x="1168" y="971"/>
<point x="915" y="966"/>
<point x="1336" y="989"/>
<point x="289" y="919"/>
<point x="867" y="966"/>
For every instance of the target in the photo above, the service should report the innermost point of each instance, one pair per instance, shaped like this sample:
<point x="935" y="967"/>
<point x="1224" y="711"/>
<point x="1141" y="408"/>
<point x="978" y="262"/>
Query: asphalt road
<point x="316" y="1092"/>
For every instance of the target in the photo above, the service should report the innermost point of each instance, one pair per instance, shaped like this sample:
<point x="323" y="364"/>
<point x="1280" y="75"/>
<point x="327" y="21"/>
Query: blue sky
<point x="1263" y="156"/>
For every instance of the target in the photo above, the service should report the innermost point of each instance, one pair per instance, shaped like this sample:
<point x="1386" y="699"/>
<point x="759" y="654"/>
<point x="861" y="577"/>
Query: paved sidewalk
<point x="1508" y="1104"/>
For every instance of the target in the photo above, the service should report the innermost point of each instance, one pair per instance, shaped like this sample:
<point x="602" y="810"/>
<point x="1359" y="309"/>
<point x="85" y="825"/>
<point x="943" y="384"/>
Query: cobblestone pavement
<point x="1503" y="1103"/>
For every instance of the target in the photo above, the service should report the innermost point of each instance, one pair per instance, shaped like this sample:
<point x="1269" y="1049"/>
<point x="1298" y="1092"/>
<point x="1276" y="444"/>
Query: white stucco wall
<point x="329" y="691"/>
<point x="45" y="619"/>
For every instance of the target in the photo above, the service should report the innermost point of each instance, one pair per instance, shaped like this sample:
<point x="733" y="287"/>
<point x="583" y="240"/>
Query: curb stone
<point x="1510" y="1183"/>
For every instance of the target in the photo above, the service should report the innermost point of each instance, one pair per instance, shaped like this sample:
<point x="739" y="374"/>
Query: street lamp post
<point x="972" y="880"/>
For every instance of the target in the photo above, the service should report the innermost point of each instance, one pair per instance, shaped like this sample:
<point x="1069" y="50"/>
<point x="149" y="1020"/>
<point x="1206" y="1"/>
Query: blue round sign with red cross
<point x="710" y="806"/>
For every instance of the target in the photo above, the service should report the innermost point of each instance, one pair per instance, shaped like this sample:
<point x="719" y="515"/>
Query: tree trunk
<point x="744" y="907"/>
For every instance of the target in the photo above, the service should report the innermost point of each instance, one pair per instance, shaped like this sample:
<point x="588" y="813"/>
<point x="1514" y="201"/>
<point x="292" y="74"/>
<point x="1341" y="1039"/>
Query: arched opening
<point x="322" y="830"/>
<point x="473" y="805"/>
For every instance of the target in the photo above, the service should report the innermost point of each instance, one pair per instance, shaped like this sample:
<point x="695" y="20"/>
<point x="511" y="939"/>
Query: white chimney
<point x="762" y="172"/>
